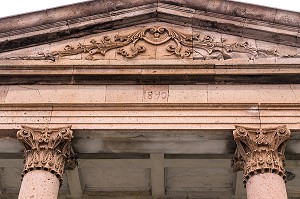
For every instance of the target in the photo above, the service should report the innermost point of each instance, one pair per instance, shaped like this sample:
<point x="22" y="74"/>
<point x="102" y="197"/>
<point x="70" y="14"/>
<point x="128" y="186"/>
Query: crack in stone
<point x="5" y="94"/>
<point x="51" y="113"/>
<point x="206" y="93"/>
<point x="259" y="116"/>
<point x="293" y="91"/>
<point x="33" y="89"/>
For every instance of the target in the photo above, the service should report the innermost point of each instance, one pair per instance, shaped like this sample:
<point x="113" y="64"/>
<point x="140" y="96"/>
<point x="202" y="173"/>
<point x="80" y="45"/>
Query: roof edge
<point x="88" y="8"/>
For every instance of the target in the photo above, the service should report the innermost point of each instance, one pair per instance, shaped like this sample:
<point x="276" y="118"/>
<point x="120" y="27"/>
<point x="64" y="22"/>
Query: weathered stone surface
<point x="93" y="17"/>
<point x="39" y="184"/>
<point x="56" y="94"/>
<point x="73" y="94"/>
<point x="187" y="94"/>
<point x="3" y="93"/>
<point x="252" y="93"/>
<point x="66" y="13"/>
<point x="259" y="186"/>
<point x="251" y="11"/>
<point x="199" y="4"/>
<point x="121" y="94"/>
<point x="287" y="17"/>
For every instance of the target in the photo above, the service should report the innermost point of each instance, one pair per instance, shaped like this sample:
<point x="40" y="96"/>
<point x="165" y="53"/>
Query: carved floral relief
<point x="260" y="150"/>
<point x="204" y="45"/>
<point x="47" y="149"/>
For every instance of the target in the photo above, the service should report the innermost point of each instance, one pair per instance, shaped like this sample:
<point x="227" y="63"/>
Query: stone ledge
<point x="150" y="116"/>
<point x="263" y="71"/>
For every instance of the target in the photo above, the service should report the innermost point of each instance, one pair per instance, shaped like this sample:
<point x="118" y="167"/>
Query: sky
<point x="13" y="7"/>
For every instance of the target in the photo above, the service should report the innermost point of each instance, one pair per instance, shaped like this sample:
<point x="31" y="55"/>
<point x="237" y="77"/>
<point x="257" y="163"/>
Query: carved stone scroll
<point x="158" y="35"/>
<point x="260" y="150"/>
<point x="47" y="149"/>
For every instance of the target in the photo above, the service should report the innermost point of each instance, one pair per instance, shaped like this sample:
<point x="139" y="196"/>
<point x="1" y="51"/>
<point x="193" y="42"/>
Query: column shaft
<point x="48" y="153"/>
<point x="39" y="184"/>
<point x="260" y="154"/>
<point x="266" y="186"/>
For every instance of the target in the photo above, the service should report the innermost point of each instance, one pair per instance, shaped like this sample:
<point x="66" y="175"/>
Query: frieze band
<point x="205" y="46"/>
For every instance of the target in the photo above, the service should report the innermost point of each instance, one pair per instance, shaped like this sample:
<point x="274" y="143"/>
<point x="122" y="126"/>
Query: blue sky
<point x="13" y="7"/>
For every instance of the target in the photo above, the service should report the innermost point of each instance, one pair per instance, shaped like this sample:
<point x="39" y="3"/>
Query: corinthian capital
<point x="260" y="150"/>
<point x="47" y="149"/>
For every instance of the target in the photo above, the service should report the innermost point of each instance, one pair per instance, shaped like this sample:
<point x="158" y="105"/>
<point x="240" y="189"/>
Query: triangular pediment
<point x="225" y="17"/>
<point x="158" y="39"/>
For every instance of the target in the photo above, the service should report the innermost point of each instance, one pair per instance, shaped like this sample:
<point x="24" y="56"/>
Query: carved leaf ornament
<point x="158" y="36"/>
<point x="260" y="150"/>
<point x="47" y="149"/>
<point x="153" y="35"/>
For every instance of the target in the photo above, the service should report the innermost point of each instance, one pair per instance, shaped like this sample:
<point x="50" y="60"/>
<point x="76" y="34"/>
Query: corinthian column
<point x="260" y="154"/>
<point x="48" y="153"/>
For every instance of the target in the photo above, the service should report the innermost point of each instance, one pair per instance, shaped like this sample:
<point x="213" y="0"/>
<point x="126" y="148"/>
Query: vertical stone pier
<point x="260" y="154"/>
<point x="48" y="153"/>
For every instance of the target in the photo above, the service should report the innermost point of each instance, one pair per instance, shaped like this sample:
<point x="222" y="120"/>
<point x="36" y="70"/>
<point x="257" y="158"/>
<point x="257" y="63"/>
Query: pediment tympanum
<point x="170" y="40"/>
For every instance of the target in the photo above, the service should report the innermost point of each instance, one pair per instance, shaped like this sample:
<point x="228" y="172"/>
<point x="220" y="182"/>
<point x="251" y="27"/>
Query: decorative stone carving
<point x="47" y="149"/>
<point x="157" y="36"/>
<point x="260" y="150"/>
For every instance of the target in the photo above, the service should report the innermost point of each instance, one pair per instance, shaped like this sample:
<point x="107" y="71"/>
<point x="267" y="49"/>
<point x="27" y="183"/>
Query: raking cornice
<point x="94" y="16"/>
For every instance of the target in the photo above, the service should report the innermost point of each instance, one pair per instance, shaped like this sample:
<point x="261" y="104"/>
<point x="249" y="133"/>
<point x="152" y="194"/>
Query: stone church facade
<point x="150" y="99"/>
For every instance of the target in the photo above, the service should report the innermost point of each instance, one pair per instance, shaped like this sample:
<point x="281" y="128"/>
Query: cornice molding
<point x="146" y="106"/>
<point x="176" y="71"/>
<point x="237" y="19"/>
<point x="90" y="8"/>
<point x="149" y="115"/>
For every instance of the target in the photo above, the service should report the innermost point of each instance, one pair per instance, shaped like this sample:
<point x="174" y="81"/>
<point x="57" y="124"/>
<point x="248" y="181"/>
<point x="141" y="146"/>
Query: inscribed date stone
<point x="156" y="93"/>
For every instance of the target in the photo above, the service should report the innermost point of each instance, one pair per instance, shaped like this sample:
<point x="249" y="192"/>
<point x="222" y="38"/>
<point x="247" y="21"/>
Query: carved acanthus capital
<point x="47" y="149"/>
<point x="260" y="150"/>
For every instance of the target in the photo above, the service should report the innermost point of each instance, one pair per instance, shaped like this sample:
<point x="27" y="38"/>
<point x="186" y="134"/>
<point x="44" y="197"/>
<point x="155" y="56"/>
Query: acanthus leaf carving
<point x="151" y="35"/>
<point x="47" y="149"/>
<point x="158" y="35"/>
<point x="260" y="150"/>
